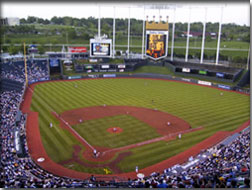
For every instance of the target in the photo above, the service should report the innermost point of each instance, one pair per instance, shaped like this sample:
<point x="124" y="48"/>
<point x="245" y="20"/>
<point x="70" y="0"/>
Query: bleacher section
<point x="205" y="70"/>
<point x="244" y="80"/>
<point x="11" y="85"/>
<point x="230" y="139"/>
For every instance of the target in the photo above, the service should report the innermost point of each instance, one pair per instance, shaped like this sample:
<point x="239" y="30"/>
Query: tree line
<point x="88" y="26"/>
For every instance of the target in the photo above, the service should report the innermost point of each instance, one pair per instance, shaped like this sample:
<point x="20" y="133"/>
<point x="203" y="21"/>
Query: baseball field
<point x="126" y="121"/>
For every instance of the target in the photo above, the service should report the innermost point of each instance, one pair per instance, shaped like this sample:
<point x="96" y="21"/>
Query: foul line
<point x="66" y="123"/>
<point x="151" y="140"/>
<point x="76" y="133"/>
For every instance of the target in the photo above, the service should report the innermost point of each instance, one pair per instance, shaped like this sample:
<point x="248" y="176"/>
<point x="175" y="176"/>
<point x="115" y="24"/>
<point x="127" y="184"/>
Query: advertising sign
<point x="77" y="49"/>
<point x="88" y="67"/>
<point x="93" y="60"/>
<point x="187" y="80"/>
<point x="121" y="66"/>
<point x="224" y="86"/>
<point x="186" y="70"/>
<point x="74" y="77"/>
<point x="202" y="72"/>
<point x="105" y="66"/>
<point x="221" y="75"/>
<point x="204" y="83"/>
<point x="109" y="75"/>
<point x="93" y="76"/>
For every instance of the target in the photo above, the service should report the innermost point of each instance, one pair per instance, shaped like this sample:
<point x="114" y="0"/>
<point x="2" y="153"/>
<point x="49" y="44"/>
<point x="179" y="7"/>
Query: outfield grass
<point x="200" y="106"/>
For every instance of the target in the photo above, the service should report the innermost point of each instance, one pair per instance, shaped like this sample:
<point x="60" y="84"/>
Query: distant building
<point x="12" y="21"/>
<point x="199" y="34"/>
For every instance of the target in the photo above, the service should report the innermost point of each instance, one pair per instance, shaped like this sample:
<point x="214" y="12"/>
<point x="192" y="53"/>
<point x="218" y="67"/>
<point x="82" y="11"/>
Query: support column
<point x="143" y="34"/>
<point x="167" y="39"/>
<point x="203" y="37"/>
<point x="128" y="33"/>
<point x="114" y="34"/>
<point x="173" y="31"/>
<point x="188" y="32"/>
<point x="248" y="59"/>
<point x="99" y="22"/>
<point x="219" y="38"/>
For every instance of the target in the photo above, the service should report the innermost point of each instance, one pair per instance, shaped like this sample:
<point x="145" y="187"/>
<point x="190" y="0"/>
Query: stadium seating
<point x="227" y="164"/>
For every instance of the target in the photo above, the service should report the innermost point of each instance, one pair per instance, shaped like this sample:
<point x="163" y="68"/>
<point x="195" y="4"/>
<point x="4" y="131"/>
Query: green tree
<point x="67" y="20"/>
<point x="41" y="49"/>
<point x="22" y="21"/>
<point x="13" y="49"/>
<point x="31" y="19"/>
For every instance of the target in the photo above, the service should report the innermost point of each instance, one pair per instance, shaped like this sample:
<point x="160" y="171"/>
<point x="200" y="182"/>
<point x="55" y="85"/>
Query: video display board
<point x="55" y="66"/>
<point x="100" y="48"/>
<point x="202" y="72"/>
<point x="156" y="44"/>
<point x="54" y="62"/>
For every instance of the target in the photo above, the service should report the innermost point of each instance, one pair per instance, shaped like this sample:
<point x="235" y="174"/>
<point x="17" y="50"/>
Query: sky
<point x="238" y="13"/>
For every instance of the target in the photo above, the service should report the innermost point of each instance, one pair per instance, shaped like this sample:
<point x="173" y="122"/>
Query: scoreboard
<point x="100" y="48"/>
<point x="156" y="46"/>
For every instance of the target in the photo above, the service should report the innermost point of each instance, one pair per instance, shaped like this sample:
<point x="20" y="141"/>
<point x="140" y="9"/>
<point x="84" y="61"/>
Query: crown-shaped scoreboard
<point x="161" y="25"/>
<point x="156" y="39"/>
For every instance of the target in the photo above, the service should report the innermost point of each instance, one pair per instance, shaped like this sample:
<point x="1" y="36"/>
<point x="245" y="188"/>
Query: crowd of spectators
<point x="228" y="166"/>
<point x="16" y="172"/>
<point x="15" y="70"/>
<point x="225" y="167"/>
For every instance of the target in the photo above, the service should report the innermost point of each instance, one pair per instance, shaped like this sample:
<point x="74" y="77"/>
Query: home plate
<point x="140" y="175"/>
<point x="41" y="159"/>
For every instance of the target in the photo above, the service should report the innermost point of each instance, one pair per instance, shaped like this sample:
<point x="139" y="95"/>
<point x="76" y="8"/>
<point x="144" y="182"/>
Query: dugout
<point x="18" y="144"/>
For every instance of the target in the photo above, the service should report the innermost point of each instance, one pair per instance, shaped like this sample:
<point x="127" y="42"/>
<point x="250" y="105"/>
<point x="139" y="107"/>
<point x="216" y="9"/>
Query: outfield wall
<point x="152" y="76"/>
<point x="212" y="72"/>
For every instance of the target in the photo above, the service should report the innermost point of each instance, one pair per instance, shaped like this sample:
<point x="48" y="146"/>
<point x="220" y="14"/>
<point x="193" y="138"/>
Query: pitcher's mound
<point x="114" y="130"/>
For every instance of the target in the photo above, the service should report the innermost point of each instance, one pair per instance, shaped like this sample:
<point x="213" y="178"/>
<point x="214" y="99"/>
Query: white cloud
<point x="238" y="13"/>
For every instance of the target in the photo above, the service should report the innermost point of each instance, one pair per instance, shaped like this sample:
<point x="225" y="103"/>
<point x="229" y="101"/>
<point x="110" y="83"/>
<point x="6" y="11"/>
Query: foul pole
<point x="26" y="77"/>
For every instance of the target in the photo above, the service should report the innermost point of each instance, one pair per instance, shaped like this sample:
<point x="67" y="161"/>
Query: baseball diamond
<point x="145" y="140"/>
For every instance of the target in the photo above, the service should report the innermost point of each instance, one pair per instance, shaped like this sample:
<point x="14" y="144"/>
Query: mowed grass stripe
<point x="45" y="120"/>
<point x="200" y="106"/>
<point x="61" y="137"/>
